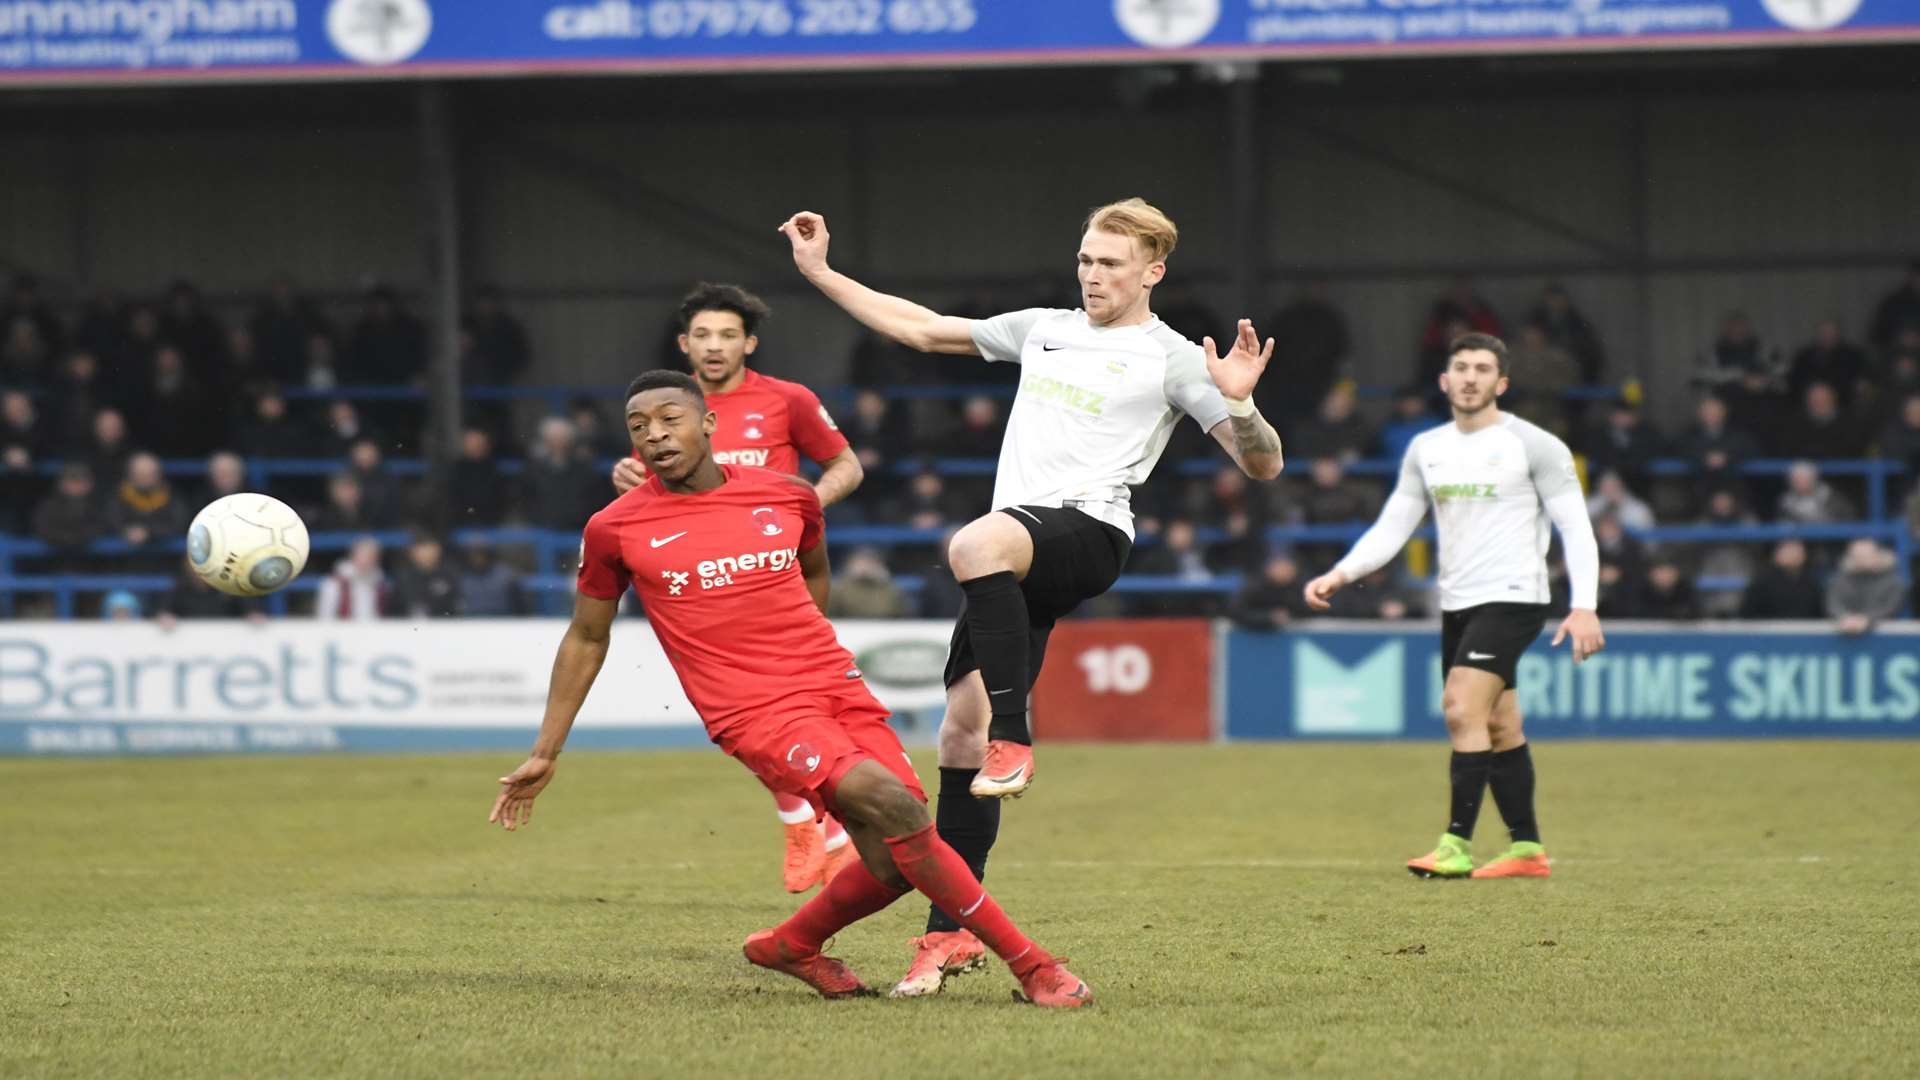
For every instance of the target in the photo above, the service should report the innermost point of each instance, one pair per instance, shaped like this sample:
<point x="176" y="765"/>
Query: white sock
<point x="838" y="841"/>
<point x="795" y="817"/>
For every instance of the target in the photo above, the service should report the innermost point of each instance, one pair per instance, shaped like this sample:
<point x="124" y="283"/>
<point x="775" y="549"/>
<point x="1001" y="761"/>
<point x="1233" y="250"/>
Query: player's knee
<point x="1462" y="714"/>
<point x="1505" y="731"/>
<point x="976" y="551"/>
<point x="877" y="799"/>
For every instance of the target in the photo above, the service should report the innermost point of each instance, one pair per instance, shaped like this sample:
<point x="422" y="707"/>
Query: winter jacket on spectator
<point x="356" y="589"/>
<point x="489" y="587"/>
<point x="1776" y="592"/>
<point x="70" y="517"/>
<point x="1867" y="585"/>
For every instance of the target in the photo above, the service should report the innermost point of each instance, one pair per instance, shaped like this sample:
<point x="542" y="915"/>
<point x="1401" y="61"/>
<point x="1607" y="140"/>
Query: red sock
<point x="852" y="895"/>
<point x="941" y="874"/>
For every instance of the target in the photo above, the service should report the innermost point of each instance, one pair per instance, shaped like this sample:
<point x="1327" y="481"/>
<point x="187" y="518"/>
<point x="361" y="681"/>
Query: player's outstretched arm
<point x="1246" y="435"/>
<point x="889" y="316"/>
<point x="1568" y="509"/>
<point x="577" y="663"/>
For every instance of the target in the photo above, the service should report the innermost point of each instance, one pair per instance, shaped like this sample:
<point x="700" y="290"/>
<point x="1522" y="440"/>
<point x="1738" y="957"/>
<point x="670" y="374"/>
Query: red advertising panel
<point x="1124" y="679"/>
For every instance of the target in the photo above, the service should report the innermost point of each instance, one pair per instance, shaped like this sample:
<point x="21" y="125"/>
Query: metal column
<point x="440" y="240"/>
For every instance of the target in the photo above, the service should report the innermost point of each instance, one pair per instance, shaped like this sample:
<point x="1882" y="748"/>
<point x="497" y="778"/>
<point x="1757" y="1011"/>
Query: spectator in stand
<point x="69" y="519"/>
<point x="246" y="376"/>
<point x="120" y="605"/>
<point x="188" y="325"/>
<point x="1622" y="560"/>
<point x="1379" y="595"/>
<point x="101" y="328"/>
<point x="864" y="589"/>
<point x="1733" y="559"/>
<point x="1757" y="405"/>
<point x="488" y="587"/>
<point x="192" y="598"/>
<point x="927" y="504"/>
<point x="1238" y="551"/>
<point x="111" y="445"/>
<point x="1611" y="498"/>
<point x="1737" y="351"/>
<point x="1543" y="373"/>
<point x="981" y="423"/>
<point x="1310" y="344"/>
<point x="321" y="371"/>
<point x="1667" y="592"/>
<point x="590" y="428"/>
<point x="135" y="362"/>
<point x="177" y="414"/>
<point x="26" y="357"/>
<point x="345" y="509"/>
<point x="1900" y="439"/>
<point x="22" y="443"/>
<point x="1334" y="499"/>
<point x="25" y="302"/>
<point x="1273" y="600"/>
<point x="1822" y="430"/>
<point x="1715" y="447"/>
<point x="501" y="352"/>
<point x="1570" y="330"/>
<point x="880" y="437"/>
<point x="1785" y="588"/>
<point x="282" y="324"/>
<point x="425" y="587"/>
<point x="382" y="493"/>
<point x="1897" y="311"/>
<point x="75" y="395"/>
<point x="1410" y="417"/>
<point x="145" y="509"/>
<point x="357" y="587"/>
<point x="478" y="492"/>
<point x="1335" y="430"/>
<point x="563" y="485"/>
<point x="1810" y="500"/>
<point x="387" y="346"/>
<point x="1625" y="443"/>
<point x="1830" y="359"/>
<point x="1177" y="556"/>
<point x="1866" y="590"/>
<point x="344" y="428"/>
<point x="272" y="432"/>
<point x="226" y="475"/>
<point x="1457" y="311"/>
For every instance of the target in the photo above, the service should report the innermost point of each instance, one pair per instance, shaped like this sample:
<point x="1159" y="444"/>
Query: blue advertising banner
<point x="1366" y="683"/>
<point x="89" y="41"/>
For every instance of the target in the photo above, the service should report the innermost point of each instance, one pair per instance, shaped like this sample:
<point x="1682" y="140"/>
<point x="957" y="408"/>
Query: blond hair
<point x="1141" y="220"/>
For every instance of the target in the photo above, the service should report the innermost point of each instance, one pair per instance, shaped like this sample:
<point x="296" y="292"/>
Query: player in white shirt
<point x="1101" y="389"/>
<point x="1494" y="481"/>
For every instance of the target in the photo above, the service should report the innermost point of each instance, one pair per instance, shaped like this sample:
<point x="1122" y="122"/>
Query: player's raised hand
<point x="1320" y="590"/>
<point x="1237" y="372"/>
<point x="807" y="232"/>
<point x="1584" y="627"/>
<point x="514" y="807"/>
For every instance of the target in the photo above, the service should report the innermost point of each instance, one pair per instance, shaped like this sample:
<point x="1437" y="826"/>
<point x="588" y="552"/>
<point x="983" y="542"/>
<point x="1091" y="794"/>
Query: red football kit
<point x="719" y="574"/>
<point x="770" y="422"/>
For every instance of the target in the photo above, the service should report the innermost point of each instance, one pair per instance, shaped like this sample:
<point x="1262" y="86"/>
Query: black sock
<point x="1469" y="771"/>
<point x="997" y="629"/>
<point x="1512" y="781"/>
<point x="969" y="826"/>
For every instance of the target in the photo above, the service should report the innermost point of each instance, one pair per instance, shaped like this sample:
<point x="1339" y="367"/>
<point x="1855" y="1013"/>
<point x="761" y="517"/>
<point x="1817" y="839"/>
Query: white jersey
<point x="1492" y="491"/>
<point x="1095" y="407"/>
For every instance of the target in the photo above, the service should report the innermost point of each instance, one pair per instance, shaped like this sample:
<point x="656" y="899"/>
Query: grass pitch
<point x="1716" y="910"/>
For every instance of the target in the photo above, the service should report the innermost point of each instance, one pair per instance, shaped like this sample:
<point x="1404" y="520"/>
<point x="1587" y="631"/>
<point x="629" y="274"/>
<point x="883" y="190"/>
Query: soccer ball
<point x="247" y="544"/>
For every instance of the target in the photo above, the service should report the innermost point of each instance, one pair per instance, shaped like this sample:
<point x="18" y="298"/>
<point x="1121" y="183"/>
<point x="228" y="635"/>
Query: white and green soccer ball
<point x="247" y="544"/>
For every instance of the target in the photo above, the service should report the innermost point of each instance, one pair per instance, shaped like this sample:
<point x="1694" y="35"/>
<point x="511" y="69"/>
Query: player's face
<point x="1472" y="380"/>
<point x="717" y="345"/>
<point x="1115" y="276"/>
<point x="670" y="432"/>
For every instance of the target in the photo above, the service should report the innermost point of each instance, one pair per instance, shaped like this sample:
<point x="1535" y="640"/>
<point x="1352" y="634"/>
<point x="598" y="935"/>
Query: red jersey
<point x="770" y="422"/>
<point x="719" y="574"/>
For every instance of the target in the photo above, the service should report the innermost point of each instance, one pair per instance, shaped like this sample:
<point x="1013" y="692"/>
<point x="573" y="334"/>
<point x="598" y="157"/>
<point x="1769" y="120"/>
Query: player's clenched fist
<point x="628" y="474"/>
<point x="807" y="232"/>
<point x="1321" y="589"/>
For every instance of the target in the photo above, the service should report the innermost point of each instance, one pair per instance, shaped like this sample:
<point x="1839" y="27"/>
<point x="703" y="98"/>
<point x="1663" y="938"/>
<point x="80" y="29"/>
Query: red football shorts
<point x="803" y="746"/>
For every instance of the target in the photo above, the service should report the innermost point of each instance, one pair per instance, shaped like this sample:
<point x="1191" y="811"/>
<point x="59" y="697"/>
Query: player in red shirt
<point x="770" y="422"/>
<point x="731" y="562"/>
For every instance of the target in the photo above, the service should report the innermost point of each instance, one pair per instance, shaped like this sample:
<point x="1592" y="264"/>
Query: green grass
<point x="1716" y="910"/>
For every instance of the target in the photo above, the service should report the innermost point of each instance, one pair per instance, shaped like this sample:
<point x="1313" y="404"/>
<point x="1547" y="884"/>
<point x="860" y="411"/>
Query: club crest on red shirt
<point x="763" y="518"/>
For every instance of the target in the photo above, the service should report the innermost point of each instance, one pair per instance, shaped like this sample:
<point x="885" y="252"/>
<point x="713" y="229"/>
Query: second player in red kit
<point x="764" y="421"/>
<point x="731" y="561"/>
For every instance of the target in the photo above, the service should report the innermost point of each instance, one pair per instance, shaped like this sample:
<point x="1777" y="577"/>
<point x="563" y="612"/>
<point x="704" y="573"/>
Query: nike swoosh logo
<point x="1051" y="348"/>
<point x="1479" y="656"/>
<point x="663" y="541"/>
<point x="1010" y="777"/>
<point x="1008" y="690"/>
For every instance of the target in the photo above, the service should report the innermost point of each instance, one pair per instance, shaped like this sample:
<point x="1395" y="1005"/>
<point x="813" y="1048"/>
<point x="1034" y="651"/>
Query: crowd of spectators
<point x="116" y="386"/>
